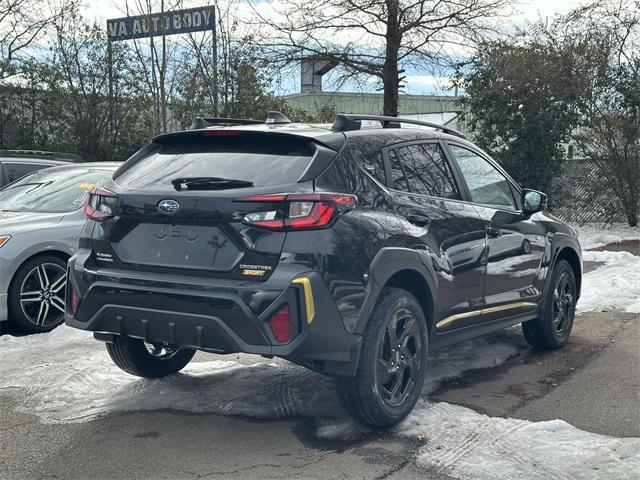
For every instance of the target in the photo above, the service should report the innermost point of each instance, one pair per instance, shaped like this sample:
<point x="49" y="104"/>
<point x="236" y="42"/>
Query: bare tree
<point x="610" y="105"/>
<point x="21" y="22"/>
<point x="157" y="57"/>
<point x="378" y="38"/>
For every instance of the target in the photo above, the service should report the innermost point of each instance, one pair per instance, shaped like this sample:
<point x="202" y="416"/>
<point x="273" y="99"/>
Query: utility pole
<point x="214" y="76"/>
<point x="112" y="116"/>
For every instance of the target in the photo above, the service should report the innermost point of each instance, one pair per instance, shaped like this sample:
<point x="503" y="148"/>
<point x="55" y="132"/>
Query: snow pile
<point x="467" y="445"/>
<point x="613" y="285"/>
<point x="593" y="235"/>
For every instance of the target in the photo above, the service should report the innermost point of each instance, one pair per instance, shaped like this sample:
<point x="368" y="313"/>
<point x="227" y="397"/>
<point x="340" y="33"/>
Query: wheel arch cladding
<point x="401" y="268"/>
<point x="414" y="283"/>
<point x="570" y="255"/>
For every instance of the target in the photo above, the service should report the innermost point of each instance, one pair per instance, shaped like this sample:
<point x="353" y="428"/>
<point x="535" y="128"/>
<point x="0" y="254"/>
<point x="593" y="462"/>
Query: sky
<point x="418" y="82"/>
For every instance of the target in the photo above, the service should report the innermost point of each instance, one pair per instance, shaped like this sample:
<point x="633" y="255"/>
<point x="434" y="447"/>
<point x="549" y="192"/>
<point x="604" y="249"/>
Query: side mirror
<point x="533" y="201"/>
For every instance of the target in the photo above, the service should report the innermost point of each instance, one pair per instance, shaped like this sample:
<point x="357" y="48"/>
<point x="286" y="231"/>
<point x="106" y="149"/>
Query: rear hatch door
<point x="178" y="208"/>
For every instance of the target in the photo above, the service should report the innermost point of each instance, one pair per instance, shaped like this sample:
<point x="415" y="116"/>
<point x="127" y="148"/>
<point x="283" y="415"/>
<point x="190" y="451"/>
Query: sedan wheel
<point x="37" y="295"/>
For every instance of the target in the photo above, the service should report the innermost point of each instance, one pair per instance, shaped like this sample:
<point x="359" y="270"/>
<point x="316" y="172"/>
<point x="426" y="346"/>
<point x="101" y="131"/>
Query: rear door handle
<point x="418" y="220"/>
<point x="493" y="231"/>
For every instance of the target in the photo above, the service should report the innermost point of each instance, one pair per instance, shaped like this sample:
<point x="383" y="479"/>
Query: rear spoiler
<point x="325" y="151"/>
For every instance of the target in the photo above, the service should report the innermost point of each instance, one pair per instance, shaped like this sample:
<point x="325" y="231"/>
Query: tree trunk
<point x="390" y="80"/>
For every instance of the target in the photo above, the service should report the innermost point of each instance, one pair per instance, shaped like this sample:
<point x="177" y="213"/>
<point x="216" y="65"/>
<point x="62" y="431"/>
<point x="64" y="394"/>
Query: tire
<point x="366" y="396"/>
<point x="553" y="328"/>
<point x="37" y="295"/>
<point x="135" y="357"/>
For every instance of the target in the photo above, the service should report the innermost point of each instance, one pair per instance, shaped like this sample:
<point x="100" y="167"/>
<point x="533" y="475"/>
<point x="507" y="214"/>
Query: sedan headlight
<point x="4" y="239"/>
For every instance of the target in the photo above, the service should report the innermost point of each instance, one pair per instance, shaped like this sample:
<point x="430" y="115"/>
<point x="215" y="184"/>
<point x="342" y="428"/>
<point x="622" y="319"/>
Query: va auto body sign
<point x="158" y="24"/>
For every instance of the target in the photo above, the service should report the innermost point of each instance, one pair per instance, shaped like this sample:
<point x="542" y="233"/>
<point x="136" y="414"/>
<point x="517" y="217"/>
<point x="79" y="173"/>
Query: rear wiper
<point x="208" y="183"/>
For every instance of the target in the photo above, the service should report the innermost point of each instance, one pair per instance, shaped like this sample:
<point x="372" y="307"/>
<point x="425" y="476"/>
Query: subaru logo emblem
<point x="168" y="206"/>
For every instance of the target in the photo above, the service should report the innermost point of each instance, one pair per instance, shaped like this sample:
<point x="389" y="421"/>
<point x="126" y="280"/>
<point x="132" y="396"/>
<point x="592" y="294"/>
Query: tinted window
<point x="486" y="184"/>
<point x="263" y="160"/>
<point x="14" y="171"/>
<point x="422" y="169"/>
<point x="375" y="166"/>
<point x="52" y="190"/>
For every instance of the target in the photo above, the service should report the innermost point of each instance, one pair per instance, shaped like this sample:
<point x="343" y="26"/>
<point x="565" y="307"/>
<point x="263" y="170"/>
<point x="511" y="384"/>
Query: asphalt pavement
<point x="593" y="383"/>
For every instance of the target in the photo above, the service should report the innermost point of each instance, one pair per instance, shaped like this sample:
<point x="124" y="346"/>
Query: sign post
<point x="176" y="22"/>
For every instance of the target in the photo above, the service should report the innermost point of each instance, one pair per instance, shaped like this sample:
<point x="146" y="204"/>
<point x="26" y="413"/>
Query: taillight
<point x="298" y="211"/>
<point x="100" y="204"/>
<point x="280" y="324"/>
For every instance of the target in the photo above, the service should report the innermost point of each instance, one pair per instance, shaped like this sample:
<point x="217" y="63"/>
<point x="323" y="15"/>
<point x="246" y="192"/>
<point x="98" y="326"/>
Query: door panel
<point x="448" y="234"/>
<point x="515" y="243"/>
<point x="515" y="249"/>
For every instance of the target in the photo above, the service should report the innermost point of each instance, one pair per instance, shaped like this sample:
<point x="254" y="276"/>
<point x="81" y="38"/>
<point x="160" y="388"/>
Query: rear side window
<point x="422" y="169"/>
<point x="261" y="160"/>
<point x="14" y="171"/>
<point x="374" y="164"/>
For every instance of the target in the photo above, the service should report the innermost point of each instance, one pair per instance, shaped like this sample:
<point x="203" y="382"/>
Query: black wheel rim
<point x="399" y="358"/>
<point x="161" y="351"/>
<point x="563" y="305"/>
<point x="42" y="295"/>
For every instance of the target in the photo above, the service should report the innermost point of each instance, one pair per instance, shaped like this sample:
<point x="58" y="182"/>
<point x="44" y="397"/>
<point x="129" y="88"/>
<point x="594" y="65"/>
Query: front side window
<point x="487" y="185"/>
<point x="422" y="169"/>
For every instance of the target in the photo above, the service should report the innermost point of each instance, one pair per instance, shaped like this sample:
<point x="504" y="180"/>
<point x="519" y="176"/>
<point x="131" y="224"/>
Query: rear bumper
<point x="222" y="317"/>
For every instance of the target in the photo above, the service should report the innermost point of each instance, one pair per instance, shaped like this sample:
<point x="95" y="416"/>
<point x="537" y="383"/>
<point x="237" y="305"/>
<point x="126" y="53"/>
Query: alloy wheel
<point x="399" y="357"/>
<point x="42" y="295"/>
<point x="563" y="305"/>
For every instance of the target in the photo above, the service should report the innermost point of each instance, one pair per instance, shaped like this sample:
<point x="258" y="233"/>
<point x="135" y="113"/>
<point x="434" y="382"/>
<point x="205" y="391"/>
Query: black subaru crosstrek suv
<point x="349" y="250"/>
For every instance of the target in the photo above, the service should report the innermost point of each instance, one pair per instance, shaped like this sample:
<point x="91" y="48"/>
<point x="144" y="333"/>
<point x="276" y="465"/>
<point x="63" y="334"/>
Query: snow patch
<point x="467" y="445"/>
<point x="615" y="285"/>
<point x="593" y="235"/>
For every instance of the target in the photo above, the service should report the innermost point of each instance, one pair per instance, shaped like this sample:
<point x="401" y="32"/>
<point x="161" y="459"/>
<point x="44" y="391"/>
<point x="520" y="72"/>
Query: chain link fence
<point x="575" y="198"/>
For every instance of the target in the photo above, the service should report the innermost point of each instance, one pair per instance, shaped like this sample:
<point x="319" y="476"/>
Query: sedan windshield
<point x="52" y="190"/>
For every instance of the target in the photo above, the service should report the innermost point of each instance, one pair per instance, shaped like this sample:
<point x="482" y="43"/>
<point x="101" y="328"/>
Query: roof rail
<point x="66" y="157"/>
<point x="344" y="123"/>
<point x="204" y="122"/>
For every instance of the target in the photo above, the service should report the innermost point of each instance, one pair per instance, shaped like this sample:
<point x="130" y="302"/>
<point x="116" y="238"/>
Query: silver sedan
<point x="41" y="216"/>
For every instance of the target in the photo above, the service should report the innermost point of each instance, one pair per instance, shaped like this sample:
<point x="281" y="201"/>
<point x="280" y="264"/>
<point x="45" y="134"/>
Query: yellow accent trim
<point x="308" y="297"/>
<point x="445" y="322"/>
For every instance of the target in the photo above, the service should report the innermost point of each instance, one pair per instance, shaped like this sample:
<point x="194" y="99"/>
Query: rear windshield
<point x="262" y="160"/>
